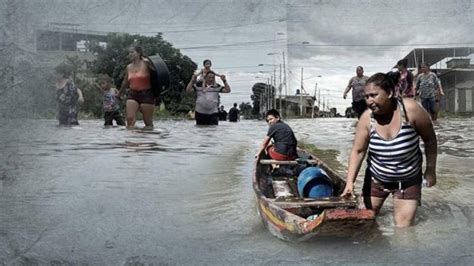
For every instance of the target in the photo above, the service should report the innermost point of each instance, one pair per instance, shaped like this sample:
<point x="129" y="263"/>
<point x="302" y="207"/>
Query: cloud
<point x="338" y="27"/>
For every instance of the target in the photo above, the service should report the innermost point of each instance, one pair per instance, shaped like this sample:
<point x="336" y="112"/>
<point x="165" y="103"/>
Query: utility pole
<point x="265" y="98"/>
<point x="284" y="75"/>
<point x="327" y="104"/>
<point x="279" y="90"/>
<point x="284" y="80"/>
<point x="324" y="105"/>
<point x="268" y="94"/>
<point x="329" y="108"/>
<point x="314" y="101"/>
<point x="274" y="103"/>
<point x="301" y="94"/>
<point x="319" y="99"/>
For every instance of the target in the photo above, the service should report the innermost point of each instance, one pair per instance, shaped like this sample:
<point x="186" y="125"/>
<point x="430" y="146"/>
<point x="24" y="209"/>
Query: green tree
<point x="75" y="64"/>
<point x="246" y="110"/>
<point x="112" y="60"/>
<point x="260" y="91"/>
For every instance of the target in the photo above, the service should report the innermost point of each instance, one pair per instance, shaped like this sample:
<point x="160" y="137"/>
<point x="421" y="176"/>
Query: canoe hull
<point x="287" y="222"/>
<point x="341" y="223"/>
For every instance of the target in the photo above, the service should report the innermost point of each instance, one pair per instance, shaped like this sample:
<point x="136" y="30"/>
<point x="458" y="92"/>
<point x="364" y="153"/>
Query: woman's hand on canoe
<point x="348" y="190"/>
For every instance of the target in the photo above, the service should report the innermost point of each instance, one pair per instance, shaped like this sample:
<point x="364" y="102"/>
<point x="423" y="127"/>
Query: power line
<point x="205" y="29"/>
<point x="186" y="28"/>
<point x="252" y="66"/>
<point x="228" y="44"/>
<point x="376" y="45"/>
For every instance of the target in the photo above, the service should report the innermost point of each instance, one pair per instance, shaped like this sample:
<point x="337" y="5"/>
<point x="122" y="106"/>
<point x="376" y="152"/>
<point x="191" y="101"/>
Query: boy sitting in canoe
<point x="284" y="141"/>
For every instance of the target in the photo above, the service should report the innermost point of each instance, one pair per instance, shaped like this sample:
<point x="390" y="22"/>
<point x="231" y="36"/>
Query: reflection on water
<point x="182" y="194"/>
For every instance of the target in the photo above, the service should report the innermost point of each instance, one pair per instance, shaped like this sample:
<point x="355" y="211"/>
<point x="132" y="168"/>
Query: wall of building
<point x="458" y="86"/>
<point x="465" y="100"/>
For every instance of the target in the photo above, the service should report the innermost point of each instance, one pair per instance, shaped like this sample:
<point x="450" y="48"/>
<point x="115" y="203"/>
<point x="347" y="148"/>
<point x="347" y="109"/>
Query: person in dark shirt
<point x="222" y="114"/>
<point x="234" y="114"/>
<point x="68" y="96"/>
<point x="284" y="141"/>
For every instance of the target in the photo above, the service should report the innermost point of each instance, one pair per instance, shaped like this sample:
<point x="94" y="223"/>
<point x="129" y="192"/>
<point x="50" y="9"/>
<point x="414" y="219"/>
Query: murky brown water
<point x="182" y="194"/>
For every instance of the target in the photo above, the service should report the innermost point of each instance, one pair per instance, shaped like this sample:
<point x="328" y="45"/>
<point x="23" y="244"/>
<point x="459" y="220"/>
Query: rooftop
<point x="434" y="55"/>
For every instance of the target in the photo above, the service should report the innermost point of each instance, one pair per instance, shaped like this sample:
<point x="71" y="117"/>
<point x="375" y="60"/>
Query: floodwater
<point x="182" y="194"/>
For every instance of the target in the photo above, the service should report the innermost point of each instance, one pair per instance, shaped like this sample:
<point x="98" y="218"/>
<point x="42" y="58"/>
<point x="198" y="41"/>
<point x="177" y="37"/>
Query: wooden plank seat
<point x="295" y="162"/>
<point x="329" y="202"/>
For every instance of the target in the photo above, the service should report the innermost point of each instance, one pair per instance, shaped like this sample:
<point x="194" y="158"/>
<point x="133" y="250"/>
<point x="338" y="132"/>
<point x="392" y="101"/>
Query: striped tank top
<point x="398" y="159"/>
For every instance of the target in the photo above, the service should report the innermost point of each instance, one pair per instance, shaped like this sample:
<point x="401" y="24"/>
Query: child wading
<point x="111" y="102"/>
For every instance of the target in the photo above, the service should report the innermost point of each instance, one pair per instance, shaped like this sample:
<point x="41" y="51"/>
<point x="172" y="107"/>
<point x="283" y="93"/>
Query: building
<point x="457" y="77"/>
<point x="264" y="98"/>
<point x="57" y="42"/>
<point x="301" y="105"/>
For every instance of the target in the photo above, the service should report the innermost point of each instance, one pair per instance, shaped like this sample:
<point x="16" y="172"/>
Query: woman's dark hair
<point x="425" y="64"/>
<point x="64" y="69"/>
<point x="206" y="61"/>
<point x="403" y="63"/>
<point x="139" y="50"/>
<point x="273" y="112"/>
<point x="385" y="81"/>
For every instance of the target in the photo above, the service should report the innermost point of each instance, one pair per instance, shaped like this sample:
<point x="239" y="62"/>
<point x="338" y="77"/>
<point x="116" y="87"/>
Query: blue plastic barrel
<point x="313" y="182"/>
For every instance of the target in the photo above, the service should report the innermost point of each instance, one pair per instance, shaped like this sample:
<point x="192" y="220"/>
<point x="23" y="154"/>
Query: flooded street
<point x="182" y="194"/>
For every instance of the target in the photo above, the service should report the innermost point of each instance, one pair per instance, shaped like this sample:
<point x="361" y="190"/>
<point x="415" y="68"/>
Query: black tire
<point x="162" y="74"/>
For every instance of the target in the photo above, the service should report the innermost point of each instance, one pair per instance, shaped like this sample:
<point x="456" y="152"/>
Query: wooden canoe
<point x="295" y="218"/>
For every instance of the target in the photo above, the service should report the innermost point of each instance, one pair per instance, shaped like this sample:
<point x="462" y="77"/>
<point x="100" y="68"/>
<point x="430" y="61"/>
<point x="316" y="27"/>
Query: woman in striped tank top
<point x="390" y="130"/>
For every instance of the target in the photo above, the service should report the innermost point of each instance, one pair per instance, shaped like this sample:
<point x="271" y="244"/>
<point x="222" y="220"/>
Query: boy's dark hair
<point x="273" y="112"/>
<point x="235" y="104"/>
<point x="210" y="72"/>
<point x="104" y="77"/>
<point x="206" y="61"/>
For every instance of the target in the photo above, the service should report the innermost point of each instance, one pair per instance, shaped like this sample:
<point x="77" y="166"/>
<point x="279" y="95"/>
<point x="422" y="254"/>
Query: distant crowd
<point x="425" y="87"/>
<point x="141" y="87"/>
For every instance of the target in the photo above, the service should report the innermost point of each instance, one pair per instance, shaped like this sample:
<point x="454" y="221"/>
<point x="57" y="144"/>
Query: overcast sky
<point x="328" y="39"/>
